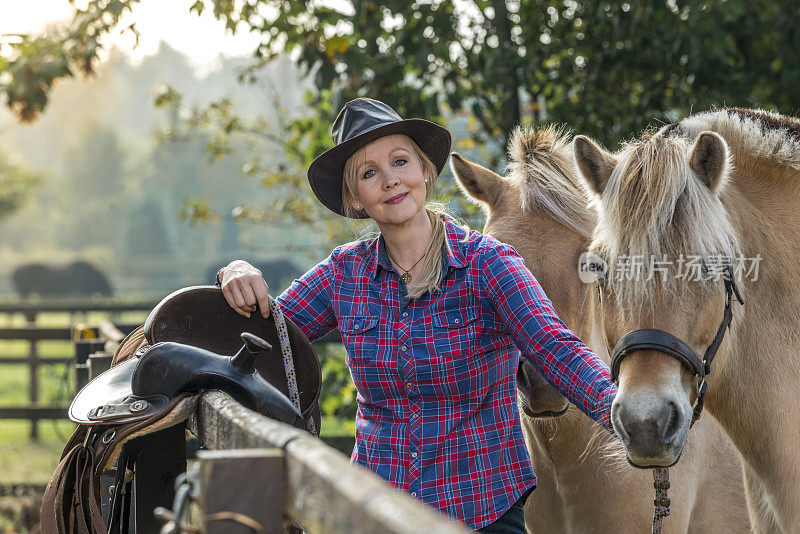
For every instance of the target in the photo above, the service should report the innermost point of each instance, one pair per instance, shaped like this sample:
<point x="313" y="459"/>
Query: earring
<point x="426" y="180"/>
<point x="358" y="207"/>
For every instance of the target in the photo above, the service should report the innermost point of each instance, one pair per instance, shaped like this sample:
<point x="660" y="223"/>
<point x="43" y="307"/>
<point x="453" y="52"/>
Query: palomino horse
<point x="584" y="484"/>
<point x="720" y="187"/>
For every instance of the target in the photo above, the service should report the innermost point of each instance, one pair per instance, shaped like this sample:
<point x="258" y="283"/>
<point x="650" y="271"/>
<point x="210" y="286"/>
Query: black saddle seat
<point x="170" y="368"/>
<point x="144" y="385"/>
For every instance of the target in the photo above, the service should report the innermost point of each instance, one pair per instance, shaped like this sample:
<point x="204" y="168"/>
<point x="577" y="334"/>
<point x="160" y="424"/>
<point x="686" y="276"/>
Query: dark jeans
<point x="511" y="522"/>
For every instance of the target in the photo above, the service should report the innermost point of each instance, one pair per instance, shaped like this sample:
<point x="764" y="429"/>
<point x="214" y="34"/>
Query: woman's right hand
<point x="244" y="287"/>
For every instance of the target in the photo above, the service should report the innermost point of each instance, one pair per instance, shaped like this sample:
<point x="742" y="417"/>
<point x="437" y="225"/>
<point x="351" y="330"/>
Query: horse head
<point x="541" y="210"/>
<point x="665" y="237"/>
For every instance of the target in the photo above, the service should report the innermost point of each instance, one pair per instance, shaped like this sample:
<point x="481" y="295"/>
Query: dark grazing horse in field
<point x="77" y="279"/>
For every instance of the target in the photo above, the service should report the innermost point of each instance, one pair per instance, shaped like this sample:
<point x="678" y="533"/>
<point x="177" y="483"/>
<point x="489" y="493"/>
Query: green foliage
<point x="338" y="395"/>
<point x="32" y="64"/>
<point x="16" y="184"/>
<point x="606" y="68"/>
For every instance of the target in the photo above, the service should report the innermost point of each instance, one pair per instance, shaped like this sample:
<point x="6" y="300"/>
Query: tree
<point x="607" y="68"/>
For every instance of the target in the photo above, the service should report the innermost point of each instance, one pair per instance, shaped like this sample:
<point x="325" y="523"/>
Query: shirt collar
<point x="454" y="251"/>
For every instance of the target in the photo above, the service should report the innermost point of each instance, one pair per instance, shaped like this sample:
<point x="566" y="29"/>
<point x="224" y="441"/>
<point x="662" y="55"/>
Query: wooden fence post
<point x="98" y="363"/>
<point x="33" y="385"/>
<point x="243" y="491"/>
<point x="160" y="458"/>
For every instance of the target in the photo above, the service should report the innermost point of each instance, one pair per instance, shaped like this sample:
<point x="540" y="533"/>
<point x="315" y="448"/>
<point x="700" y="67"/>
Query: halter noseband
<point x="654" y="339"/>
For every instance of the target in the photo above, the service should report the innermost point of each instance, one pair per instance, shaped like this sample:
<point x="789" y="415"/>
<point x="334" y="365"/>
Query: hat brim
<point x="325" y="174"/>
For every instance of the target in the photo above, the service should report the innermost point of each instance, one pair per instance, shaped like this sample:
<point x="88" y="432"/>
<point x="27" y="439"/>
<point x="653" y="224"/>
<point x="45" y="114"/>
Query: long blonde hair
<point x="431" y="264"/>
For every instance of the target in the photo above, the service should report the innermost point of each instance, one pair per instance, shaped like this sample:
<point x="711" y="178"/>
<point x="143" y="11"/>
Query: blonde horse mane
<point x="751" y="133"/>
<point x="542" y="166"/>
<point x="655" y="209"/>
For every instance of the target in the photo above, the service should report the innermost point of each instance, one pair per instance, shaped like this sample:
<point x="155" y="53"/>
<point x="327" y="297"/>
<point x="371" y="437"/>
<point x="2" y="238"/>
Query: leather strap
<point x="288" y="363"/>
<point x="653" y="339"/>
<point x="71" y="500"/>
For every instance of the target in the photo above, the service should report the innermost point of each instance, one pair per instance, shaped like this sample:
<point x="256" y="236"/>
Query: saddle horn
<point x="245" y="360"/>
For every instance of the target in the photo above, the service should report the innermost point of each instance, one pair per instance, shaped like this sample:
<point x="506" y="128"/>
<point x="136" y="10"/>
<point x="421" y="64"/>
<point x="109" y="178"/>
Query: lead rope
<point x="661" y="502"/>
<point x="288" y="362"/>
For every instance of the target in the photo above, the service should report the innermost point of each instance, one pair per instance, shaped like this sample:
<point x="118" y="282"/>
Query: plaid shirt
<point x="436" y="376"/>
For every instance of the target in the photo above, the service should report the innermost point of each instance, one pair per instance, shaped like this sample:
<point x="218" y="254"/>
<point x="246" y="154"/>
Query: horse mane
<point x="655" y="209"/>
<point x="749" y="133"/>
<point x="542" y="166"/>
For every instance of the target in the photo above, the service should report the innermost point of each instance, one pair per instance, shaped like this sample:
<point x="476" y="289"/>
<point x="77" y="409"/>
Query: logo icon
<point x="591" y="268"/>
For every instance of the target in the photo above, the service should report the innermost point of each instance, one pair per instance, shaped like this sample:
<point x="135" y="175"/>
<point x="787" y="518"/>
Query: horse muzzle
<point x="538" y="399"/>
<point x="652" y="428"/>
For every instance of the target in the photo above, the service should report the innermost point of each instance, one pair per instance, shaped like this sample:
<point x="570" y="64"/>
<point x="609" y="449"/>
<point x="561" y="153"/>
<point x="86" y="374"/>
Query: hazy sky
<point x="202" y="38"/>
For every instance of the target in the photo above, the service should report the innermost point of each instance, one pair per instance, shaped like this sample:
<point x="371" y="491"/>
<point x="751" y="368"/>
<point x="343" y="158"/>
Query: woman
<point x="429" y="315"/>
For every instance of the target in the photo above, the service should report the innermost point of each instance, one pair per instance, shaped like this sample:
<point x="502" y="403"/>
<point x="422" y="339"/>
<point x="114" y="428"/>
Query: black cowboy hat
<point x="362" y="121"/>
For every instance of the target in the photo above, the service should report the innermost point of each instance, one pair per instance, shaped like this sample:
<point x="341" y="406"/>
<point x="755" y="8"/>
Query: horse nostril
<point x="670" y="422"/>
<point x="619" y="417"/>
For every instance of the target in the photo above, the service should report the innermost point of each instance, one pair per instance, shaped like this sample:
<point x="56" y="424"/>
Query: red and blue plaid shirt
<point x="436" y="376"/>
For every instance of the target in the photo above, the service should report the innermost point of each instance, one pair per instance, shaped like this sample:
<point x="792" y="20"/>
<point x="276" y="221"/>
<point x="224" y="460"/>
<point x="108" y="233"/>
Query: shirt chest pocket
<point x="360" y="338"/>
<point x="454" y="333"/>
<point x="453" y="371"/>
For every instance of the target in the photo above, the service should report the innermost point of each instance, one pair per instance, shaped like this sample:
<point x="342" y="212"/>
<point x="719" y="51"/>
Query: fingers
<point x="235" y="300"/>
<point x="262" y="297"/>
<point x="244" y="287"/>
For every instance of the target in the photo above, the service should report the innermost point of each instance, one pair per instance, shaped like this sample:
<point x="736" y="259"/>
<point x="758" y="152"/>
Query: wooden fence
<point x="270" y="472"/>
<point x="259" y="475"/>
<point x="33" y="334"/>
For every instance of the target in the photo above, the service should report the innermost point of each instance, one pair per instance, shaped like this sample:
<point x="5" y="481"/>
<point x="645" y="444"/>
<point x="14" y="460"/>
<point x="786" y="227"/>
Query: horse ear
<point x="709" y="159"/>
<point x="476" y="181"/>
<point x="594" y="163"/>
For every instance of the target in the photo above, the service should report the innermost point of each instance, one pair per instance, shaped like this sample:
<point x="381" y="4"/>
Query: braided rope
<point x="661" y="502"/>
<point x="288" y="362"/>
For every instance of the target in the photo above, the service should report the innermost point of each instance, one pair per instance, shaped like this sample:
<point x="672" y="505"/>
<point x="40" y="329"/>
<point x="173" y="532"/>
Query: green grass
<point x="26" y="462"/>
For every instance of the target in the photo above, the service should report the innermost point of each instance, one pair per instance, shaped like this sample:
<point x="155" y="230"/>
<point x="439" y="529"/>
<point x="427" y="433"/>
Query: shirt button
<point x="414" y="416"/>
<point x="414" y="494"/>
<point x="405" y="314"/>
<point x="413" y="454"/>
<point x="357" y="325"/>
<point x="408" y="385"/>
<point x="455" y="321"/>
<point x="403" y="348"/>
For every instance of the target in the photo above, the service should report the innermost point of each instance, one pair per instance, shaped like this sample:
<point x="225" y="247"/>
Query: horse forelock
<point x="542" y="166"/>
<point x="656" y="212"/>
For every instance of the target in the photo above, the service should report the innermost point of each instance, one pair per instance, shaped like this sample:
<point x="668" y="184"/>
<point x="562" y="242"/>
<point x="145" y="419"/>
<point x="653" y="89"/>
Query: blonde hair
<point x="431" y="264"/>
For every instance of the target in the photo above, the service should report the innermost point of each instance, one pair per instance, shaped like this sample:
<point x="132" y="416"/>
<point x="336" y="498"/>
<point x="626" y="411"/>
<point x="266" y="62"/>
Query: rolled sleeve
<point x="554" y="350"/>
<point x="308" y="301"/>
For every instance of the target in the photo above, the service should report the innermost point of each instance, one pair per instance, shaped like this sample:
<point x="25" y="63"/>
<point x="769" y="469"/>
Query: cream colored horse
<point x="720" y="183"/>
<point x="584" y="483"/>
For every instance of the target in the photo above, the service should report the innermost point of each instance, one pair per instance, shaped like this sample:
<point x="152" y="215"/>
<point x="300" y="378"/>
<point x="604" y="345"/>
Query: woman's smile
<point x="397" y="199"/>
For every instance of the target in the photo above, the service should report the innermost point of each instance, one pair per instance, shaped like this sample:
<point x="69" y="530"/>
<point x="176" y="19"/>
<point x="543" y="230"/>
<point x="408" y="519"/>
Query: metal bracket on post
<point x="242" y="491"/>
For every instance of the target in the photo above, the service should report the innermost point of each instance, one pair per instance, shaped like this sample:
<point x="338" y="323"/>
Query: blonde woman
<point x="432" y="318"/>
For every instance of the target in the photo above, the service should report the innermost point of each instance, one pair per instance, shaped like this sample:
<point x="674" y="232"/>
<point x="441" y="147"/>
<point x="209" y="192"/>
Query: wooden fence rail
<point x="321" y="490"/>
<point x="33" y="335"/>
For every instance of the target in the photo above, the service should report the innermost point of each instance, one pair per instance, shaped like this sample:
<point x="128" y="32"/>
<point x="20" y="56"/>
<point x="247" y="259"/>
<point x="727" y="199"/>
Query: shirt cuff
<point x="604" y="407"/>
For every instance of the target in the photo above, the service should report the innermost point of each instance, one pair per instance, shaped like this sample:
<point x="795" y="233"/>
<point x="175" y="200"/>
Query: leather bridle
<point x="654" y="339"/>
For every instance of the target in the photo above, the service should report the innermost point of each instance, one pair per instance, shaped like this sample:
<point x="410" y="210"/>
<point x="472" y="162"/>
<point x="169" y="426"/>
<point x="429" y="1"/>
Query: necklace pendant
<point x="406" y="278"/>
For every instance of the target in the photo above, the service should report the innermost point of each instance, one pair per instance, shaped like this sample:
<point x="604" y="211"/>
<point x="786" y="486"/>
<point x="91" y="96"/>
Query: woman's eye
<point x="400" y="162"/>
<point x="369" y="174"/>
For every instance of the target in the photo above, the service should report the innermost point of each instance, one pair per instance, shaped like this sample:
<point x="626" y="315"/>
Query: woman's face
<point x="391" y="183"/>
